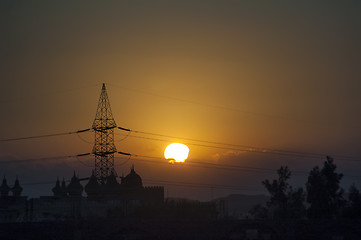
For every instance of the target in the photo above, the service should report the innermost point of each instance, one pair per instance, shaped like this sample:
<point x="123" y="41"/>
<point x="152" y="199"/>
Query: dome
<point x="112" y="181"/>
<point x="92" y="188"/>
<point x="75" y="188"/>
<point x="132" y="180"/>
<point x="112" y="187"/>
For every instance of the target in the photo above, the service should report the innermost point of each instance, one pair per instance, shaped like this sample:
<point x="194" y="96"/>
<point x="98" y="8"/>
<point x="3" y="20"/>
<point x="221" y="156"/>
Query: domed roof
<point x="132" y="180"/>
<point x="111" y="180"/>
<point x="75" y="188"/>
<point x="112" y="187"/>
<point x="92" y="188"/>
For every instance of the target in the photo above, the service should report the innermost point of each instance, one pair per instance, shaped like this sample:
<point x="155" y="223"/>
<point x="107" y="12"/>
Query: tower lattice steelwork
<point x="104" y="147"/>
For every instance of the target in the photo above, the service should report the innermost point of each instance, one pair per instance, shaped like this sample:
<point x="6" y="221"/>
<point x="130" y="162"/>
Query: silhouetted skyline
<point x="282" y="76"/>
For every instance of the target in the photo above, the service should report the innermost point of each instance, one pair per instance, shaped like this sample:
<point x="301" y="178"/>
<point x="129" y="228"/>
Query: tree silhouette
<point x="258" y="211"/>
<point x="323" y="191"/>
<point x="353" y="209"/>
<point x="296" y="207"/>
<point x="284" y="201"/>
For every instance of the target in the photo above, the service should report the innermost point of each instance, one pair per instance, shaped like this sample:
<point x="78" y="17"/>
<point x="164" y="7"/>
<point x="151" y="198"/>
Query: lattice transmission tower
<point x="104" y="147"/>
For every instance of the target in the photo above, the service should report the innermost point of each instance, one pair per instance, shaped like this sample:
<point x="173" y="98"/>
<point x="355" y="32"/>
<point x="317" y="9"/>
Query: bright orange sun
<point x="177" y="152"/>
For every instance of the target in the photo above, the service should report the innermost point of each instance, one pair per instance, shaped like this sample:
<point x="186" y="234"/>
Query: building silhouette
<point x="103" y="194"/>
<point x="117" y="196"/>
<point x="95" y="200"/>
<point x="13" y="207"/>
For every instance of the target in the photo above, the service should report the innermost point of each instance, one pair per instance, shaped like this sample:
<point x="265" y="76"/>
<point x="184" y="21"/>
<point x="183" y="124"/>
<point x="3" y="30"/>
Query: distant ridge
<point x="238" y="205"/>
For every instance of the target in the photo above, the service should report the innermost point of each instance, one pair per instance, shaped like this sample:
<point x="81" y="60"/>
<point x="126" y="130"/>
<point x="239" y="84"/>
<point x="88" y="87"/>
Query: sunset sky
<point x="267" y="75"/>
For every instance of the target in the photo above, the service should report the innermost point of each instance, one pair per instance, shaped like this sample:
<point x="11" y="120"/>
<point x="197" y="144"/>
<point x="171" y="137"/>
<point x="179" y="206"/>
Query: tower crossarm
<point x="103" y="153"/>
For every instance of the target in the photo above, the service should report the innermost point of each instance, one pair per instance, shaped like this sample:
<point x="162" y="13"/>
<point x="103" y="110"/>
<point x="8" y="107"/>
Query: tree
<point x="284" y="201"/>
<point x="353" y="209"/>
<point x="324" y="193"/>
<point x="259" y="212"/>
<point x="296" y="207"/>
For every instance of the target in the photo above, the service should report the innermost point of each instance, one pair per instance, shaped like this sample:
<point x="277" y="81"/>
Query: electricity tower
<point x="104" y="147"/>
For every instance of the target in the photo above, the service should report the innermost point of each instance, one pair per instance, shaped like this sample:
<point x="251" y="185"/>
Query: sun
<point x="176" y="152"/>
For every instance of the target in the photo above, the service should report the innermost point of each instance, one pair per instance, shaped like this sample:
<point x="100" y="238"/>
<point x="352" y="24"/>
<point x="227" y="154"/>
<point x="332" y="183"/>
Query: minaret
<point x="63" y="188"/>
<point x="17" y="189"/>
<point x="57" y="189"/>
<point x="4" y="188"/>
<point x="104" y="147"/>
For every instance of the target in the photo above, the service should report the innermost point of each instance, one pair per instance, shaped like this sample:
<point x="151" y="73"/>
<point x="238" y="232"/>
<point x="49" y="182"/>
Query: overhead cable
<point x="170" y="183"/>
<point x="44" y="136"/>
<point x="44" y="158"/>
<point x="242" y="148"/>
<point x="203" y="185"/>
<point x="227" y="108"/>
<point x="226" y="167"/>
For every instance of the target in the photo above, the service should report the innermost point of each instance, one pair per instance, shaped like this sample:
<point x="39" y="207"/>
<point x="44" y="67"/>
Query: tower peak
<point x="104" y="147"/>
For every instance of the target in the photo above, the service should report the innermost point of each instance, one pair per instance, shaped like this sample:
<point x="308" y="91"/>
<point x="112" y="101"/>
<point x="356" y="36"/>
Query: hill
<point x="238" y="205"/>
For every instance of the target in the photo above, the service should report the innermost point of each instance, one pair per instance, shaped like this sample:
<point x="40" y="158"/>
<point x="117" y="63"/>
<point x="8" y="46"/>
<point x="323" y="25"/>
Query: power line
<point x="224" y="107"/>
<point x="197" y="103"/>
<point x="84" y="140"/>
<point x="157" y="160"/>
<point x="44" y="136"/>
<point x="86" y="165"/>
<point x="38" y="183"/>
<point x="193" y="163"/>
<point x="216" y="145"/>
<point x="247" y="148"/>
<point x="226" y="167"/>
<point x="44" y="158"/>
<point x="238" y="147"/>
<point x="124" y="162"/>
<point x="48" y="93"/>
<point x="209" y="165"/>
<point x="173" y="183"/>
<point x="200" y="185"/>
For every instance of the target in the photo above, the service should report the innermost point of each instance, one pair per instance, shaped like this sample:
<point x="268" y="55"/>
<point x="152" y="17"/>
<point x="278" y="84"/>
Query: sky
<point x="269" y="75"/>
